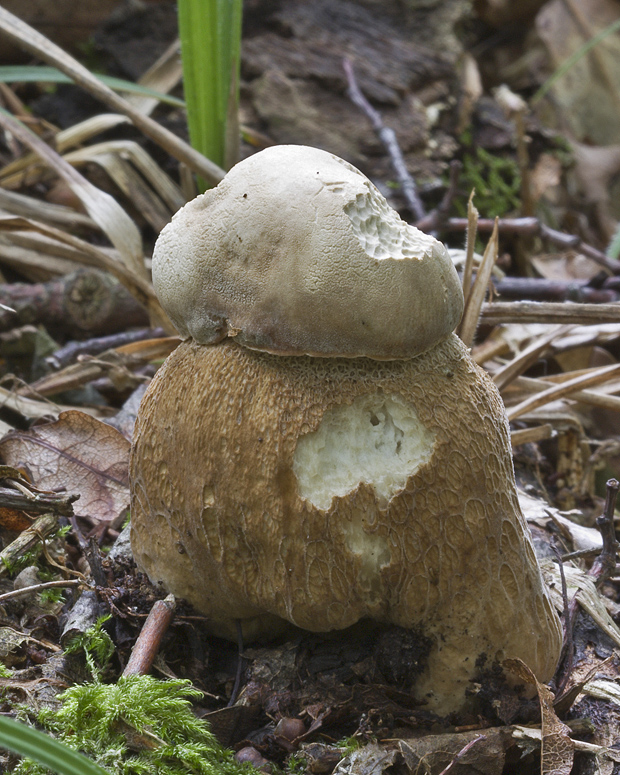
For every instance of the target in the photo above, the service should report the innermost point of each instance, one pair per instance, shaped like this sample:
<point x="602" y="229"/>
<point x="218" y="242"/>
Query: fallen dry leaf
<point x="457" y="752"/>
<point x="557" y="750"/>
<point x="13" y="519"/>
<point x="76" y="453"/>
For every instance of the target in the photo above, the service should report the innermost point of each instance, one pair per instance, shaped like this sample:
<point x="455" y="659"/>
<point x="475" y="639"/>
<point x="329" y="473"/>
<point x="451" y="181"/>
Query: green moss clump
<point x="137" y="726"/>
<point x="496" y="178"/>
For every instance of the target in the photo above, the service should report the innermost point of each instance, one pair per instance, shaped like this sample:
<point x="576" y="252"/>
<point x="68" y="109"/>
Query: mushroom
<point x="321" y="448"/>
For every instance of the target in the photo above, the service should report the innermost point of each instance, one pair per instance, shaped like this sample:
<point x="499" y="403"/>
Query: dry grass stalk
<point x="118" y="363"/>
<point x="526" y="358"/>
<point x="560" y="313"/>
<point x="475" y="298"/>
<point x="90" y="255"/>
<point x="162" y="76"/>
<point x="529" y="385"/>
<point x="563" y="390"/>
<point x="528" y="435"/>
<point x="29" y="39"/>
<point x="102" y="208"/>
<point x="472" y="228"/>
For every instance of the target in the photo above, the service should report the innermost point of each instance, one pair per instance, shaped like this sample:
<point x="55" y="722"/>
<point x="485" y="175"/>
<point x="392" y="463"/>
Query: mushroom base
<point x="229" y="513"/>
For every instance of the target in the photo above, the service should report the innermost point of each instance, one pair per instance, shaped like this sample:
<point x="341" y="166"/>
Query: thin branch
<point x="531" y="227"/>
<point x="605" y="564"/>
<point x="549" y="312"/>
<point x="148" y="642"/>
<point x="39" y="588"/>
<point x="388" y="138"/>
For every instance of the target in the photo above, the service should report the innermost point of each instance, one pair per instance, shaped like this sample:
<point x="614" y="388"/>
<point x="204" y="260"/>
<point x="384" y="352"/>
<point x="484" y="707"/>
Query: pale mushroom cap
<point x="323" y="491"/>
<point x="296" y="252"/>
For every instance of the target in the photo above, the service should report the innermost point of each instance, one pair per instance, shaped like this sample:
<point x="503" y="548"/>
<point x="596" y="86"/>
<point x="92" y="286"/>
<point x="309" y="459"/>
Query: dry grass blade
<point x="528" y="435"/>
<point x="142" y="196"/>
<point x="526" y="358"/>
<point x="90" y="255"/>
<point x="549" y="312"/>
<point x="472" y="228"/>
<point x="35" y="257"/>
<point x="117" y="362"/>
<point x="590" y="397"/>
<point x="163" y="75"/>
<point x="129" y="151"/>
<point x="28" y="38"/>
<point x="12" y="175"/>
<point x="562" y="390"/>
<point x="478" y="291"/>
<point x="589" y="597"/>
<point x="31" y="409"/>
<point x="39" y="209"/>
<point x="103" y="209"/>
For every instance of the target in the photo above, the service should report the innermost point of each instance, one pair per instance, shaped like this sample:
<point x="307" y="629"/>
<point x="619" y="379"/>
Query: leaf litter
<point x="544" y="356"/>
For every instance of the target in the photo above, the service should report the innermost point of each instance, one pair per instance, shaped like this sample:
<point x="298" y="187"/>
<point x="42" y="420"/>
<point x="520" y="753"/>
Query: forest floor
<point x="472" y="107"/>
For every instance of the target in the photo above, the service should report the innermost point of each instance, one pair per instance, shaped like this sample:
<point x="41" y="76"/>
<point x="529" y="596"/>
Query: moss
<point x="138" y="726"/>
<point x="496" y="178"/>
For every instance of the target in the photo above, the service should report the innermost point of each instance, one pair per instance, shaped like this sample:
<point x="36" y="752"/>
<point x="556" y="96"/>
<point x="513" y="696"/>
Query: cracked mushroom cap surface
<point x="322" y="491"/>
<point x="297" y="252"/>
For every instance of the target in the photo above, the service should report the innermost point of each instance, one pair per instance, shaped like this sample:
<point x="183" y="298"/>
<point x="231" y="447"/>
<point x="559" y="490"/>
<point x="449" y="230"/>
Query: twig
<point x="388" y="138"/>
<point x="531" y="227"/>
<point x="27" y="540"/>
<point x="462" y="753"/>
<point x="590" y="397"/>
<point x="38" y="502"/>
<point x="148" y="642"/>
<point x="549" y="312"/>
<point x="72" y="350"/>
<point x="39" y="588"/>
<point x="581" y="554"/>
<point x="528" y="435"/>
<point x="87" y="302"/>
<point x="605" y="564"/>
<point x="541" y="289"/>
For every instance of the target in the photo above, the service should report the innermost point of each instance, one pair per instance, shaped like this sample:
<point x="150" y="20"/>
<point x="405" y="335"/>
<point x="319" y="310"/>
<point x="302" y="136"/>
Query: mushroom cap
<point x="324" y="491"/>
<point x="296" y="252"/>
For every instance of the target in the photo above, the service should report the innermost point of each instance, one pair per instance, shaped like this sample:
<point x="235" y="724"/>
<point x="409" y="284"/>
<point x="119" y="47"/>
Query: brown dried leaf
<point x="565" y="266"/>
<point x="13" y="519"/>
<point x="79" y="454"/>
<point x="556" y="748"/>
<point x="372" y="759"/>
<point x="457" y="753"/>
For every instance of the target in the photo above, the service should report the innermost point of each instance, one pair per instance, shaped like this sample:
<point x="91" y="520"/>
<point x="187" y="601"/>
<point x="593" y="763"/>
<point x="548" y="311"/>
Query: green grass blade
<point x="613" y="249"/>
<point x="41" y="74"/>
<point x="210" y="32"/>
<point x="575" y="57"/>
<point x="45" y="750"/>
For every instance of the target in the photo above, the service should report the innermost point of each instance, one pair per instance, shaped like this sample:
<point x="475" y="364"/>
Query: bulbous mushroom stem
<point x="322" y="491"/>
